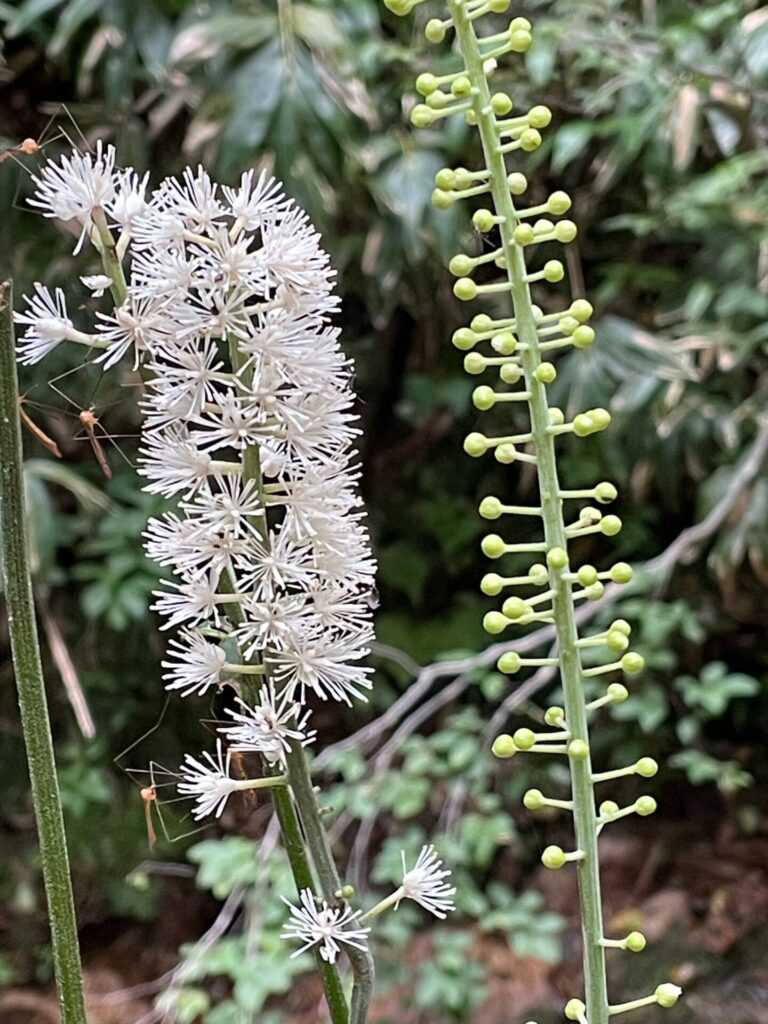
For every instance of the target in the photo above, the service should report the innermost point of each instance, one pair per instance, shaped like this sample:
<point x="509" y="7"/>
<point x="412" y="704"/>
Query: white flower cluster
<point x="247" y="426"/>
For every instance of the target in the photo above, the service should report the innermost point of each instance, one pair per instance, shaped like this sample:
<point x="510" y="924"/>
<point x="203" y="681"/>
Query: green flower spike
<point x="518" y="345"/>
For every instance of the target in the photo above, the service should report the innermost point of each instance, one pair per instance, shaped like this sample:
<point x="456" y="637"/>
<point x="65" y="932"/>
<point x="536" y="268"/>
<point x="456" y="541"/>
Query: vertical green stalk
<point x="554" y="527"/>
<point x="29" y="680"/>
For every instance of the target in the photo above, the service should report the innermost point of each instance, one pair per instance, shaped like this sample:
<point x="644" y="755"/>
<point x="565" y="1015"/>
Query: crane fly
<point x="90" y="421"/>
<point x="38" y="431"/>
<point x="28" y="147"/>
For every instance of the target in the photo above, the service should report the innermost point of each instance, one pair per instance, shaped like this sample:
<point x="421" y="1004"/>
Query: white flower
<point x="47" y="324"/>
<point x="139" y="324"/>
<point x="253" y="202"/>
<point x="324" y="926"/>
<point x="129" y="201"/>
<point x="197" y="667"/>
<point x="325" y="664"/>
<point x="192" y="601"/>
<point x="172" y="462"/>
<point x="208" y="781"/>
<point x="424" y="883"/>
<point x="97" y="284"/>
<point x="78" y="185"/>
<point x="269" y="727"/>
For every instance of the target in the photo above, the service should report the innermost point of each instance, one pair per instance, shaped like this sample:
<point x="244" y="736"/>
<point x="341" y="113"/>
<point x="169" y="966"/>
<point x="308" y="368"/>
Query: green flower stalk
<point x="517" y="346"/>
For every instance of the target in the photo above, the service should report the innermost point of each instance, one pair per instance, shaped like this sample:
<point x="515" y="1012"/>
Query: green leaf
<point x="569" y="141"/>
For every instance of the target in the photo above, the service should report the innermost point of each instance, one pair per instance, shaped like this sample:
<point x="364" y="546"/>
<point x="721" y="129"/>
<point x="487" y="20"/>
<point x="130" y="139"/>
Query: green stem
<point x="554" y="530"/>
<point x="29" y="679"/>
<point x="111" y="262"/>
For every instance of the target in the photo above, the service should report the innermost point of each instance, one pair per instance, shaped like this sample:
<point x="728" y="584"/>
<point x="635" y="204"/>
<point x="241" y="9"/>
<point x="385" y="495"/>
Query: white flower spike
<point x="322" y="926"/>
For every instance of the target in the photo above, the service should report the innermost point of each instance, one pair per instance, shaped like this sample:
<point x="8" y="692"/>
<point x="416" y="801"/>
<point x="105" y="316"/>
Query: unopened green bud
<point x="464" y="339"/>
<point x="646" y="767"/>
<point x="556" y="416"/>
<point x="617" y="692"/>
<point x="422" y="116"/>
<point x="504" y="746"/>
<point x="520" y="25"/>
<point x="601" y="417"/>
<point x="438" y="100"/>
<point x="492" y="546"/>
<point x="645" y="805"/>
<point x="515" y="608"/>
<point x="498" y="6"/>
<point x="608" y="807"/>
<point x="538" y="574"/>
<point x="504" y="343"/>
<point x="605" y="493"/>
<point x="568" y="324"/>
<point x="553" y="271"/>
<point x="505" y="453"/>
<point x="582" y="310"/>
<point x="435" y="30"/>
<point x="495" y="623"/>
<point x="668" y="994"/>
<point x="565" y="232"/>
<point x="510" y="373"/>
<point x="491" y="584"/>
<point x="553" y="857"/>
<point x="539" y="117"/>
<point x="545" y="373"/>
<point x="622" y="626"/>
<point x="524" y="739"/>
<point x="578" y="750"/>
<point x="520" y="41"/>
<point x="594" y="591"/>
<point x="559" y="203"/>
<point x="426" y="84"/>
<point x="481" y="323"/>
<point x="524" y="234"/>
<point x="461" y="265"/>
<point x="509" y="663"/>
<point x="534" y="800"/>
<point x="617" y="641"/>
<point x="347" y="892"/>
<point x="632" y="663"/>
<point x="574" y="1009"/>
<point x="554" y="716"/>
<point x="530" y="140"/>
<point x="442" y="200"/>
<point x="461" y="87"/>
<point x="490" y="508"/>
<point x="483" y="398"/>
<point x="635" y="942"/>
<point x="445" y="178"/>
<point x="474" y="363"/>
<point x="482" y="220"/>
<point x="583" y="336"/>
<point x="465" y="289"/>
<point x="610" y="526"/>
<point x="587" y="575"/>
<point x="557" y="558"/>
<point x="621" y="572"/>
<point x="475" y="445"/>
<point x="517" y="183"/>
<point x="501" y="104"/>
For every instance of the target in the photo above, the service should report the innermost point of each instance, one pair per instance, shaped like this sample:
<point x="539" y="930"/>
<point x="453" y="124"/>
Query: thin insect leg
<point x="118" y="759"/>
<point x="39" y="433"/>
<point x="158" y="804"/>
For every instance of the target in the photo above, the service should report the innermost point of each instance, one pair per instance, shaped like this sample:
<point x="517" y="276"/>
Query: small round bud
<point x="422" y="116"/>
<point x="610" y="526"/>
<point x="668" y="994"/>
<point x="621" y="572"/>
<point x="583" y="336"/>
<point x="442" y="200"/>
<point x="583" y="425"/>
<point x="534" y="800"/>
<point x="646" y="767"/>
<point x="504" y="746"/>
<point x="520" y="40"/>
<point x="463" y="178"/>
<point x="635" y="942"/>
<point x="483" y="398"/>
<point x="565" y="232"/>
<point x="538" y="574"/>
<point x="501" y="104"/>
<point x="461" y="265"/>
<point x="481" y="323"/>
<point x="645" y="805"/>
<point x="559" y="203"/>
<point x="426" y="84"/>
<point x="445" y="179"/>
<point x="470" y="117"/>
<point x="474" y="363"/>
<point x="498" y="6"/>
<point x="568" y="324"/>
<point x="524" y="235"/>
<point x="438" y="100"/>
<point x="545" y="373"/>
<point x="553" y="271"/>
<point x="510" y="373"/>
<point x="601" y="418"/>
<point x="590" y="516"/>
<point x="605" y="493"/>
<point x="482" y="220"/>
<point x="582" y="310"/>
<point x="505" y="454"/>
<point x="594" y="591"/>
<point x="520" y="25"/>
<point x="494" y="622"/>
<point x="347" y="892"/>
<point x="492" y="546"/>
<point x="475" y="445"/>
<point x="617" y="692"/>
<point x="490" y="508"/>
<point x="539" y="117"/>
<point x="517" y="183"/>
<point x="530" y="140"/>
<point x="461" y="87"/>
<point x="554" y="716"/>
<point x="524" y="739"/>
<point x="557" y="558"/>
<point x="574" y="1009"/>
<point x="608" y="807"/>
<point x="509" y="663"/>
<point x="491" y="584"/>
<point x="632" y="663"/>
<point x="587" y="575"/>
<point x="435" y="31"/>
<point x="504" y="343"/>
<point x="543" y="227"/>
<point x="464" y="339"/>
<point x="578" y="750"/>
<point x="465" y="289"/>
<point x="554" y="858"/>
<point x="515" y="608"/>
<point x="556" y="416"/>
<point x="617" y="641"/>
<point x="622" y="626"/>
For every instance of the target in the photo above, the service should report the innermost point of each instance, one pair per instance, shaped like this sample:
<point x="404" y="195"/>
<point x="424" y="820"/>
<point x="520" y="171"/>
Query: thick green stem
<point x="584" y="813"/>
<point x="29" y="680"/>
